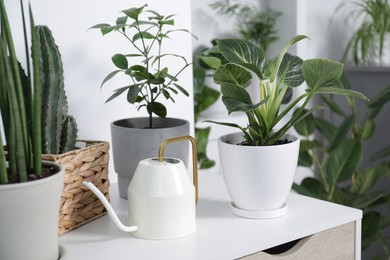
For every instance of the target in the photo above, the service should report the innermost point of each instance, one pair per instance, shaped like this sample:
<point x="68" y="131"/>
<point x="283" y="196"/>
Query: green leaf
<point x="181" y="89"/>
<point x="134" y="12"/>
<point x="242" y="53"/>
<point x="117" y="92"/>
<point x="380" y="99"/>
<point x="246" y="135"/>
<point x="168" y="22"/>
<point x="121" y="20"/>
<point x="339" y="91"/>
<point x="310" y="187"/>
<point x="157" y="109"/>
<point x="145" y="35"/>
<point x="290" y="71"/>
<point x="340" y="134"/>
<point x="332" y="105"/>
<point x="208" y="97"/>
<point x="343" y="161"/>
<point x="370" y="228"/>
<point x="234" y="105"/>
<point x="232" y="74"/>
<point x="305" y="159"/>
<point x="306" y="126"/>
<point x="366" y="130"/>
<point x="368" y="178"/>
<point x="120" y="61"/>
<point x="213" y="62"/>
<point x="319" y="72"/>
<point x="307" y="145"/>
<point x="132" y="94"/>
<point x="326" y="128"/>
<point x="109" y="76"/>
<point x="382" y="153"/>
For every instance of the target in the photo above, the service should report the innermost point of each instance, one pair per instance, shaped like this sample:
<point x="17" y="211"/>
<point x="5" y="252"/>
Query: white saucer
<point x="259" y="214"/>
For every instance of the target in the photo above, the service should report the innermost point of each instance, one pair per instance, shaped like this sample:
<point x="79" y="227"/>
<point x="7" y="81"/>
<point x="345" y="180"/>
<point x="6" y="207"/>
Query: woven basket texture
<point x="78" y="204"/>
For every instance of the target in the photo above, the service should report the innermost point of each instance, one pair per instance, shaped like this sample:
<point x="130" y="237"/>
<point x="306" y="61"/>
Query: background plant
<point x="340" y="174"/>
<point x="21" y="116"/>
<point x="204" y="97"/>
<point x="369" y="38"/>
<point x="277" y="77"/>
<point x="146" y="31"/>
<point x="253" y="24"/>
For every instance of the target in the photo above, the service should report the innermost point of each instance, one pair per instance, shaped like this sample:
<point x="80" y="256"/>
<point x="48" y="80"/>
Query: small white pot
<point x="29" y="218"/>
<point x="258" y="178"/>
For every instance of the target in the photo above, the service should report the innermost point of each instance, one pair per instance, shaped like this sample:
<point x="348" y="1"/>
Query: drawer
<point x="336" y="243"/>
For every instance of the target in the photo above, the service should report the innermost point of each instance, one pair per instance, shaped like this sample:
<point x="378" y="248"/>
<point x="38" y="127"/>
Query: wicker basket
<point x="78" y="204"/>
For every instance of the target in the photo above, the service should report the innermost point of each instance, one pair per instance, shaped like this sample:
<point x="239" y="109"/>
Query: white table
<point x="219" y="235"/>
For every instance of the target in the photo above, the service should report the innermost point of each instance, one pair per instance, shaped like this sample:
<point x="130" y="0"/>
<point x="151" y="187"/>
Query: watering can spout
<point x="110" y="210"/>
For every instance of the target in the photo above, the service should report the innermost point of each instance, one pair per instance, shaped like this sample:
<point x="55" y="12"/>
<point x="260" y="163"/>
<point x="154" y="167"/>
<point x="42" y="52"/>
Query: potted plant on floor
<point x="30" y="190"/>
<point x="258" y="163"/>
<point x="134" y="139"/>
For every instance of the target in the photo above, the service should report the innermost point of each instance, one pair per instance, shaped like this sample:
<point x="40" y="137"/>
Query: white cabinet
<point x="324" y="231"/>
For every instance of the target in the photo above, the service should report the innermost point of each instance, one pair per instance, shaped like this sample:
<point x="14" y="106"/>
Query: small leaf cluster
<point x="335" y="156"/>
<point x="278" y="77"/>
<point x="145" y="30"/>
<point x="368" y="40"/>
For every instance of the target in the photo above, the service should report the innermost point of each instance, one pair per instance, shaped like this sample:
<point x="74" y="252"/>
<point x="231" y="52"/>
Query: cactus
<point x="55" y="121"/>
<point x="69" y="134"/>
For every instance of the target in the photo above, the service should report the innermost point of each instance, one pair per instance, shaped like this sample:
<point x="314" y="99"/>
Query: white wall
<point x="86" y="55"/>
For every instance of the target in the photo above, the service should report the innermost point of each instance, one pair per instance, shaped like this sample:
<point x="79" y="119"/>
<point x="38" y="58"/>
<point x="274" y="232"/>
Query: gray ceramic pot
<point x="133" y="141"/>
<point x="29" y="218"/>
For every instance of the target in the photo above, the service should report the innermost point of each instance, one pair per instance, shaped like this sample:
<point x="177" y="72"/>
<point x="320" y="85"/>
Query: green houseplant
<point x="265" y="130"/>
<point x="335" y="155"/>
<point x="30" y="190"/>
<point x="371" y="38"/>
<point x="151" y="81"/>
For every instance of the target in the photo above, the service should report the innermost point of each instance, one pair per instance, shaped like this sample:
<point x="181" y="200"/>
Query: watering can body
<point x="161" y="197"/>
<point x="161" y="200"/>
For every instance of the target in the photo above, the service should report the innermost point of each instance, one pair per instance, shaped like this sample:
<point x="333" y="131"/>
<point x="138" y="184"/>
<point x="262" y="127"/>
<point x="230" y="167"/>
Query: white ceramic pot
<point x="258" y="178"/>
<point x="29" y="218"/>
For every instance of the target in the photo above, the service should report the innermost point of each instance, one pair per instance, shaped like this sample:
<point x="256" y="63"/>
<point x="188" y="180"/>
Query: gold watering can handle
<point x="194" y="157"/>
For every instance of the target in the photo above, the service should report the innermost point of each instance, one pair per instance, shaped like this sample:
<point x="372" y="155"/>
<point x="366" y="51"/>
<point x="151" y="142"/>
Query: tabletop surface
<point x="219" y="234"/>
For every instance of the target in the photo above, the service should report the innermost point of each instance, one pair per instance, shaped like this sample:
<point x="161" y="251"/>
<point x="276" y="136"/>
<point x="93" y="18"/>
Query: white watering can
<point x="161" y="197"/>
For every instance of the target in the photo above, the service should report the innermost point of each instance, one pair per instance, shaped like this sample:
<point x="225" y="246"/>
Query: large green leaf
<point x="234" y="105"/>
<point x="235" y="92"/>
<point x="366" y="130"/>
<point x="310" y="187"/>
<point x="289" y="73"/>
<point x="367" y="179"/>
<point x="340" y="91"/>
<point x="242" y="53"/>
<point x="341" y="133"/>
<point x="332" y="105"/>
<point x="319" y="72"/>
<point x="232" y="74"/>
<point x="305" y="159"/>
<point x="343" y="161"/>
<point x="370" y="228"/>
<point x="275" y="64"/>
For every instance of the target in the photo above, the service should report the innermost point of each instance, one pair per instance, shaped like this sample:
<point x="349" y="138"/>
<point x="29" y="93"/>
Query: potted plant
<point x="86" y="161"/>
<point x="370" y="42"/>
<point x="30" y="190"/>
<point x="341" y="174"/>
<point x="134" y="139"/>
<point x="258" y="163"/>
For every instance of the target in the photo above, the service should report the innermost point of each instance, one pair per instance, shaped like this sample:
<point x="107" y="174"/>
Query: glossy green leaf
<point x="242" y="53"/>
<point x="132" y="94"/>
<point x="340" y="134"/>
<point x="120" y="61"/>
<point x="310" y="187"/>
<point x="367" y="179"/>
<point x="234" y="105"/>
<point x="157" y="109"/>
<point x="343" y="161"/>
<point x="213" y="62"/>
<point x="339" y="91"/>
<point x="232" y="74"/>
<point x="289" y="73"/>
<point x="319" y="72"/>
<point x="109" y="76"/>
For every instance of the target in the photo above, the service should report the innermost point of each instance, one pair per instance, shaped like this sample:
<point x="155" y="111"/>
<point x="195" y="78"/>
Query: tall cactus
<point x="55" y="121"/>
